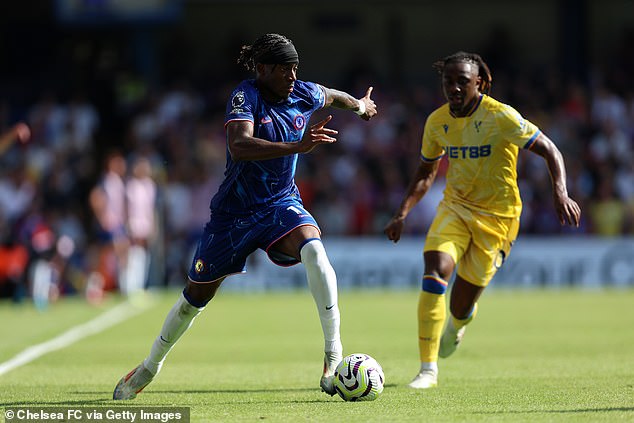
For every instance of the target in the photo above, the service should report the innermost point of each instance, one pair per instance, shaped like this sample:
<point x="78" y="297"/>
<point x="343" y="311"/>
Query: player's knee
<point x="439" y="264"/>
<point x="199" y="294"/>
<point x="464" y="296"/>
<point x="313" y="252"/>
<point x="434" y="284"/>
<point x="461" y="307"/>
<point x="462" y="311"/>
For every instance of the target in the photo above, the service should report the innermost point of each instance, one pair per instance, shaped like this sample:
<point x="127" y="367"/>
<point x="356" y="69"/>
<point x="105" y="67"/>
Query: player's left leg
<point x="463" y="307"/>
<point x="491" y="245"/>
<point x="322" y="281"/>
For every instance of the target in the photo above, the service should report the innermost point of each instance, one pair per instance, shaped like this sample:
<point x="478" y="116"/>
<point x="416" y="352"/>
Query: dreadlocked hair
<point x="461" y="56"/>
<point x="248" y="53"/>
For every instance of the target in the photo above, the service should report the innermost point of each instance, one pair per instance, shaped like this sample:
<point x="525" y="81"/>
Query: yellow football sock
<point x="431" y="319"/>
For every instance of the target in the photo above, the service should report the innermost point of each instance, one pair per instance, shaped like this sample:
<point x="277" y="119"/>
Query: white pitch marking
<point x="110" y="318"/>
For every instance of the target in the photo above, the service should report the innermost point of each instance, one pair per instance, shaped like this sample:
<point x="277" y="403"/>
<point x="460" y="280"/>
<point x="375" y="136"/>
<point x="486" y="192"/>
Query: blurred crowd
<point x="83" y="212"/>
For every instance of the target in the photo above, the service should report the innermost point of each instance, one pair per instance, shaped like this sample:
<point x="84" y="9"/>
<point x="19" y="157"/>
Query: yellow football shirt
<point x="482" y="151"/>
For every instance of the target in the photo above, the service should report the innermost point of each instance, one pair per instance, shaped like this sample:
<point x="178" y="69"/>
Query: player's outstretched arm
<point x="364" y="106"/>
<point x="567" y="209"/>
<point x="243" y="146"/>
<point x="418" y="187"/>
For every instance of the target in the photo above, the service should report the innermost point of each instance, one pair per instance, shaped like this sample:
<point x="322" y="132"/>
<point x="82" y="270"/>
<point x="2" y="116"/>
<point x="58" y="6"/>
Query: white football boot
<point x="450" y="340"/>
<point x="427" y="378"/>
<point x="132" y="383"/>
<point x="452" y="337"/>
<point x="327" y="381"/>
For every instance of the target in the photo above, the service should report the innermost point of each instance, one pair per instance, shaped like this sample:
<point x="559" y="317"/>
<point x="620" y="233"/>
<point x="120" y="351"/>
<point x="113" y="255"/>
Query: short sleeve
<point x="515" y="129"/>
<point x="430" y="150"/>
<point x="241" y="105"/>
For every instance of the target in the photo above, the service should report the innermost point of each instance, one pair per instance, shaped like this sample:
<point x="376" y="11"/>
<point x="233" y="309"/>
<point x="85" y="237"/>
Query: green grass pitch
<point x="530" y="356"/>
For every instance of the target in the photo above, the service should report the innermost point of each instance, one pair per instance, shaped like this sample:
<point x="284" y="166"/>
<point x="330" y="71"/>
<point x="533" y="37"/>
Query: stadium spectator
<point x="44" y="267"/>
<point x="108" y="203"/>
<point x="609" y="214"/>
<point x="478" y="218"/>
<point x="18" y="132"/>
<point x="17" y="191"/>
<point x="48" y="119"/>
<point x="258" y="205"/>
<point x="83" y="122"/>
<point x="14" y="259"/>
<point x="141" y="199"/>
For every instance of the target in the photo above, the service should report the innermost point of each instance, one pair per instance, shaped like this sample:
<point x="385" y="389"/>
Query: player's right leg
<point x="446" y="241"/>
<point x="431" y="319"/>
<point x="217" y="256"/>
<point x="189" y="305"/>
<point x="211" y="262"/>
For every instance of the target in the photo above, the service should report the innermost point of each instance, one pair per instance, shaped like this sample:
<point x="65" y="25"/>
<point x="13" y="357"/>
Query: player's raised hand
<point x="370" y="106"/>
<point x="318" y="134"/>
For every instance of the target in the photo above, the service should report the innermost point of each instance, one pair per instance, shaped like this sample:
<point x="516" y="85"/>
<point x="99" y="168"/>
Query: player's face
<point x="277" y="81"/>
<point x="460" y="84"/>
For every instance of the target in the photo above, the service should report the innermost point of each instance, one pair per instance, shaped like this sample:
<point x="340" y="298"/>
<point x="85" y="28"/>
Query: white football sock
<point x="322" y="282"/>
<point x="433" y="366"/>
<point x="178" y="320"/>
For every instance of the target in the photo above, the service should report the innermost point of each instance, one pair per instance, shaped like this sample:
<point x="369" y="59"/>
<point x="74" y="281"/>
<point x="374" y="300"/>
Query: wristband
<point x="361" y="110"/>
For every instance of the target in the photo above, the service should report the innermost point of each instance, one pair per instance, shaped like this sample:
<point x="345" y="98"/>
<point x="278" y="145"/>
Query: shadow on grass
<point x="239" y="391"/>
<point x="572" y="411"/>
<point x="109" y="401"/>
<point x="57" y="403"/>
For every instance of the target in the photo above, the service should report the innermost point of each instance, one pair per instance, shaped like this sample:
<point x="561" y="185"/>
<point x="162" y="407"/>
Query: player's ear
<point x="480" y="83"/>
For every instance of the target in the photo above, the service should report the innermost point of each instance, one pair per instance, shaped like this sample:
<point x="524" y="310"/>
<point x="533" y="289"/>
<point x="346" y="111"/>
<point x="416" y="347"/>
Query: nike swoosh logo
<point x="330" y="307"/>
<point x="347" y="379"/>
<point x="349" y="375"/>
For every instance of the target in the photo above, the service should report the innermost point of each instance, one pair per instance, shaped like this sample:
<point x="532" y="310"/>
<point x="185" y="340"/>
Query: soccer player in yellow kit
<point x="478" y="218"/>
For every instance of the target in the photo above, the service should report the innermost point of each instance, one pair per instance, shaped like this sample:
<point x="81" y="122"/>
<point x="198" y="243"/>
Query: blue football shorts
<point x="227" y="240"/>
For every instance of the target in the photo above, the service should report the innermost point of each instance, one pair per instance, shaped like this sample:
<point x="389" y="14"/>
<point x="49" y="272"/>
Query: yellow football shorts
<point x="478" y="243"/>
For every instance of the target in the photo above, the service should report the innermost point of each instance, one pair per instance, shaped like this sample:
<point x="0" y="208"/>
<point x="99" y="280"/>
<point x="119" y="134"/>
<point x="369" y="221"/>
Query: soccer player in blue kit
<point x="258" y="204"/>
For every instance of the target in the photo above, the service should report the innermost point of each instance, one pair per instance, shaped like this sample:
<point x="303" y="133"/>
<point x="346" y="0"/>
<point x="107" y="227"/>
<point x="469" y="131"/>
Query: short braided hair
<point x="462" y="56"/>
<point x="248" y="53"/>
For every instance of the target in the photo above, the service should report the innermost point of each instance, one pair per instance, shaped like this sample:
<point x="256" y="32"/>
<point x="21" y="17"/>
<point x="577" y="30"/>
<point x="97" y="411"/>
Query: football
<point x="359" y="377"/>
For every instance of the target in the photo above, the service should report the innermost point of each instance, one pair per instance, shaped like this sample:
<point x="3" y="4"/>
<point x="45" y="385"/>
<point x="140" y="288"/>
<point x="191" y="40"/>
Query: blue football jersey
<point x="251" y="185"/>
